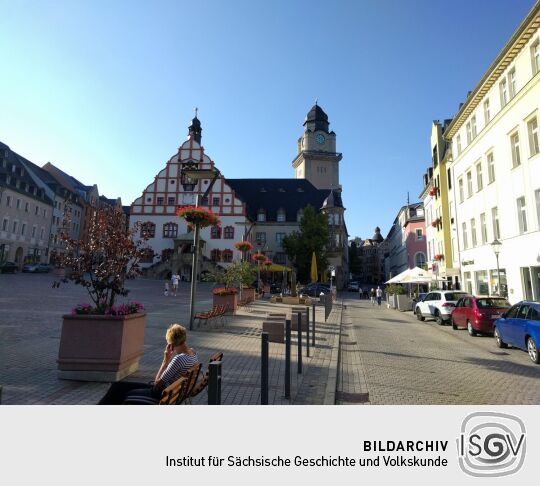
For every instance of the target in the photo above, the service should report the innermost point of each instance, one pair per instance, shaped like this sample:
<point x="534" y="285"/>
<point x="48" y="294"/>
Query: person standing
<point x="379" y="295"/>
<point x="372" y="296"/>
<point x="166" y="292"/>
<point x="174" y="281"/>
<point x="360" y="292"/>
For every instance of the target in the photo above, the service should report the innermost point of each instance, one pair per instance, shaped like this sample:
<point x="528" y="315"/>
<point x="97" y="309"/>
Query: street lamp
<point x="190" y="170"/>
<point x="496" y="246"/>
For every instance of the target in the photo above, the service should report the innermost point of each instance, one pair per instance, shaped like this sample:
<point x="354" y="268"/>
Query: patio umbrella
<point x="314" y="277"/>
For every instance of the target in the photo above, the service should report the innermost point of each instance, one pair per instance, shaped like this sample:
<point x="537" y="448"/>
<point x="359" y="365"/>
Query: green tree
<point x="312" y="237"/>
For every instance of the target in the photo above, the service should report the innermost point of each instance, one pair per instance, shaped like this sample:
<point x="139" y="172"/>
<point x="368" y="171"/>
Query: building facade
<point x="262" y="211"/>
<point x="435" y="196"/>
<point x="495" y="171"/>
<point x="406" y="241"/>
<point x="25" y="212"/>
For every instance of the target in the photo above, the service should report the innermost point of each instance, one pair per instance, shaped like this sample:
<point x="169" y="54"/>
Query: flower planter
<point x="227" y="300"/>
<point x="100" y="348"/>
<point x="403" y="303"/>
<point x="248" y="294"/>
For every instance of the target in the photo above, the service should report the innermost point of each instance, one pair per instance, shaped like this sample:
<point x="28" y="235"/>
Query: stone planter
<point x="100" y="348"/>
<point x="248" y="294"/>
<point x="403" y="302"/>
<point x="231" y="301"/>
<point x="275" y="329"/>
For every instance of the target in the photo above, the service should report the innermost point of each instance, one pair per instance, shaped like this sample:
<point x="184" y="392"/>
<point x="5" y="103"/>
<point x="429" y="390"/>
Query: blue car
<point x="520" y="327"/>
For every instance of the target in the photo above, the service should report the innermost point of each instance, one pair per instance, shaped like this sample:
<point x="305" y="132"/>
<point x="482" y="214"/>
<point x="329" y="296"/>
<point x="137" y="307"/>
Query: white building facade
<point x="495" y="171"/>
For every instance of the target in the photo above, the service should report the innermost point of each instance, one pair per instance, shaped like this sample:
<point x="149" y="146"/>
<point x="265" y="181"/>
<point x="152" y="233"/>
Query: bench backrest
<point x="204" y="382"/>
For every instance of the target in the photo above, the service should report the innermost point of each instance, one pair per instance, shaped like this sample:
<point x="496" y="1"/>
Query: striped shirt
<point x="178" y="367"/>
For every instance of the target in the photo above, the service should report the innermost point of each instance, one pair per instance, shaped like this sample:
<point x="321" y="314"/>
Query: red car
<point x="478" y="314"/>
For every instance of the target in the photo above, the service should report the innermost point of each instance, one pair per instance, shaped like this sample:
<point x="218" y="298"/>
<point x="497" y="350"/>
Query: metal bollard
<point x="214" y="383"/>
<point x="299" y="343"/>
<point x="288" y="358"/>
<point x="264" y="368"/>
<point x="307" y="332"/>
<point x="313" y="333"/>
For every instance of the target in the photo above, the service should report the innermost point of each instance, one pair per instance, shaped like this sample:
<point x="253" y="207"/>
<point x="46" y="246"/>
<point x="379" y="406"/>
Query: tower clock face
<point x="320" y="138"/>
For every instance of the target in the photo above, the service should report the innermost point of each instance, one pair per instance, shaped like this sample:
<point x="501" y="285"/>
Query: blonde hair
<point x="176" y="335"/>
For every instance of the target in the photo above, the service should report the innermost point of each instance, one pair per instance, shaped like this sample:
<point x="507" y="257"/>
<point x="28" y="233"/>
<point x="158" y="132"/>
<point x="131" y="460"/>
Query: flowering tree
<point x="104" y="260"/>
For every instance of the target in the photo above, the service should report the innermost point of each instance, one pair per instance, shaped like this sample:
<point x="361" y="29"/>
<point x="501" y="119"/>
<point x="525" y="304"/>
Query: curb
<point x="331" y="384"/>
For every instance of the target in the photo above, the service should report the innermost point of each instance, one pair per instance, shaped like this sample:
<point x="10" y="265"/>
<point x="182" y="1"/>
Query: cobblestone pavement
<point x="30" y="325"/>
<point x="400" y="360"/>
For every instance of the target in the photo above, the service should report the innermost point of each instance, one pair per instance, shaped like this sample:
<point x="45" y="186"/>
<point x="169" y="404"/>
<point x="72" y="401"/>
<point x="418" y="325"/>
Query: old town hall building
<point x="262" y="211"/>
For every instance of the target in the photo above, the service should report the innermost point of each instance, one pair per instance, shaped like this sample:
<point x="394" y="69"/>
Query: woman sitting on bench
<point x="178" y="357"/>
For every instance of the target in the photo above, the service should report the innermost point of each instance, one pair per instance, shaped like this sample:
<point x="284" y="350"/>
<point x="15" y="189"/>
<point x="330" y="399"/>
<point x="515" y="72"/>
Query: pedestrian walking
<point x="174" y="280"/>
<point x="379" y="296"/>
<point x="166" y="292"/>
<point x="372" y="295"/>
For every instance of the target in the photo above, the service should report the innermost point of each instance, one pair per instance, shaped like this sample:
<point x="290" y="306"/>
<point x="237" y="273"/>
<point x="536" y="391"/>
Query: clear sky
<point x="106" y="89"/>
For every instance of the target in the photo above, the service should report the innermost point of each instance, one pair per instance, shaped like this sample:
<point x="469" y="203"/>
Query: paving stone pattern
<point x="30" y="325"/>
<point x="406" y="361"/>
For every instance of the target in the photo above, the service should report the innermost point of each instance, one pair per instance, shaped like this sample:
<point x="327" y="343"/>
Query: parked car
<point x="419" y="298"/>
<point x="37" y="268"/>
<point x="438" y="305"/>
<point x="353" y="287"/>
<point x="8" y="267"/>
<point x="477" y="314"/>
<point x="520" y="327"/>
<point x="315" y="289"/>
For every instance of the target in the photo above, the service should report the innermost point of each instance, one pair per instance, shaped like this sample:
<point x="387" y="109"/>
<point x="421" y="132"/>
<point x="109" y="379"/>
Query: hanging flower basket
<point x="434" y="223"/>
<point x="259" y="258"/>
<point x="197" y="215"/>
<point x="438" y="257"/>
<point x="267" y="263"/>
<point x="243" y="246"/>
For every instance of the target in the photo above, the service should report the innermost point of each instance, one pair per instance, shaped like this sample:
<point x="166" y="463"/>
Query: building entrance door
<point x="535" y="274"/>
<point x="527" y="283"/>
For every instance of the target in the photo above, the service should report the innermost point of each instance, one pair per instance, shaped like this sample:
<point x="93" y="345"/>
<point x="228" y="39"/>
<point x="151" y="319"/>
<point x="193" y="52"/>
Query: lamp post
<point x="191" y="171"/>
<point x="496" y="245"/>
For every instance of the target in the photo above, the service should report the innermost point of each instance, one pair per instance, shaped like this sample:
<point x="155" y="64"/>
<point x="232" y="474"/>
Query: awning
<point x="275" y="268"/>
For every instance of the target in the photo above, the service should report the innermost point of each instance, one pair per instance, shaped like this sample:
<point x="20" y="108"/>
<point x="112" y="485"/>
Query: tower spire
<point x="195" y="129"/>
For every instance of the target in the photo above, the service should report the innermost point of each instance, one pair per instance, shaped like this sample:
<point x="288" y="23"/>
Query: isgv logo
<point x="491" y="444"/>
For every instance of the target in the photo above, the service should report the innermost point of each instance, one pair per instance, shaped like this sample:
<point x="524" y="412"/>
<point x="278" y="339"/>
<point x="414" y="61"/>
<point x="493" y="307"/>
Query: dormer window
<point x="261" y="216"/>
<point x="281" y="215"/>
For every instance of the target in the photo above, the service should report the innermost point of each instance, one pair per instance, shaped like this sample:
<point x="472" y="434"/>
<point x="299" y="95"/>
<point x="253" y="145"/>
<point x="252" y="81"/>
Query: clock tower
<point x="317" y="159"/>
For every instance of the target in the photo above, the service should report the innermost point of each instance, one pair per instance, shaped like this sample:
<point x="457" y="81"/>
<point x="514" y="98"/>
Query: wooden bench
<point x="199" y="387"/>
<point x="175" y="394"/>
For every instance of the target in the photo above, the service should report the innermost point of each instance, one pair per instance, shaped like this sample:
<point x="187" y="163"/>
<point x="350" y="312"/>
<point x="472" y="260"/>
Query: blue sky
<point x="106" y="90"/>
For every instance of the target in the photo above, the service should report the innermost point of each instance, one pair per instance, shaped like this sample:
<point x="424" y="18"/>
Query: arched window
<point x="215" y="255"/>
<point x="226" y="256"/>
<point x="170" y="230"/>
<point x="215" y="232"/>
<point x="281" y="215"/>
<point x="228" y="232"/>
<point x="420" y="260"/>
<point x="148" y="229"/>
<point x="261" y="215"/>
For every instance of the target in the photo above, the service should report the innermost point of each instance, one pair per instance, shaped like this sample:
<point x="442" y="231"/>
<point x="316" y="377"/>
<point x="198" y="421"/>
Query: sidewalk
<point x="29" y="339"/>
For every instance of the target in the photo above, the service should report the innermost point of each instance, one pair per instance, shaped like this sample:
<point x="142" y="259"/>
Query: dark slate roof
<point x="316" y="114"/>
<point x="377" y="236"/>
<point x="21" y="174"/>
<point x="273" y="194"/>
<point x="333" y="200"/>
